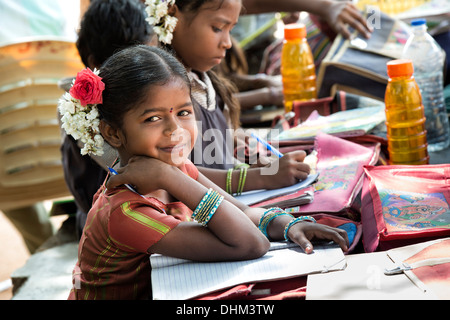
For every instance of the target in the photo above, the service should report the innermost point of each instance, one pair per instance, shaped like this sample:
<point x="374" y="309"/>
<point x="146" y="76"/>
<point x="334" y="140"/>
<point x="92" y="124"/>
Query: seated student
<point x="140" y="103"/>
<point x="124" y="21"/>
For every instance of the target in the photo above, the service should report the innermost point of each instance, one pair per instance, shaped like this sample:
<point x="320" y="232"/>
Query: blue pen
<point x="267" y="145"/>
<point x="114" y="172"/>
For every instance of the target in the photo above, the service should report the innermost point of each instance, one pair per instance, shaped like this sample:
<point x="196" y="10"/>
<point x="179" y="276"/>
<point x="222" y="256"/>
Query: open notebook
<point x="178" y="279"/>
<point x="256" y="196"/>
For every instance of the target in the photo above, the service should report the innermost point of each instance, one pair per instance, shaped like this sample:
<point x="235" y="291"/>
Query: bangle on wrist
<point x="268" y="216"/>
<point x="295" y="221"/>
<point x="228" y="184"/>
<point x="207" y="207"/>
<point x="242" y="177"/>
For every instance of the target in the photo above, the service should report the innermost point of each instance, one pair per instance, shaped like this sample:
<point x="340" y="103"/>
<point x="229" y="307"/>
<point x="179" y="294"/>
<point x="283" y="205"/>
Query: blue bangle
<point x="268" y="216"/>
<point x="200" y="205"/>
<point x="207" y="207"/>
<point x="212" y="211"/>
<point x="294" y="221"/>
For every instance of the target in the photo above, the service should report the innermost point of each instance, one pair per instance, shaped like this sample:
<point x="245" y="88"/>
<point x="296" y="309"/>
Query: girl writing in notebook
<point x="140" y="104"/>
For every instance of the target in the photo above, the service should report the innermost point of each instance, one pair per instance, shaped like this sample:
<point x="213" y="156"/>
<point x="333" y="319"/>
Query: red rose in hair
<point x="88" y="88"/>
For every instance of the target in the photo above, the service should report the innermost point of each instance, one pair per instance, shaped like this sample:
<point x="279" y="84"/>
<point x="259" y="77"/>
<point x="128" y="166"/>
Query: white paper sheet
<point x="177" y="279"/>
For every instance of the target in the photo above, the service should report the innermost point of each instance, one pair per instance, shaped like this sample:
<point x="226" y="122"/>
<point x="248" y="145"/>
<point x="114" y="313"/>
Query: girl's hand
<point x="287" y="170"/>
<point x="144" y="173"/>
<point x="303" y="232"/>
<point x="340" y="13"/>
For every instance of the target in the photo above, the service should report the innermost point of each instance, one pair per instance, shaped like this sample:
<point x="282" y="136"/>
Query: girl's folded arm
<point x="229" y="235"/>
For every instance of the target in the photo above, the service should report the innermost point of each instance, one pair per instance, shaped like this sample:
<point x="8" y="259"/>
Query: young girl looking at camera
<point x="140" y="104"/>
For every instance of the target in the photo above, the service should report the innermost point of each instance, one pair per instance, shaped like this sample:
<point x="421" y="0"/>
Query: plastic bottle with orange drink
<point x="405" y="118"/>
<point x="298" y="71"/>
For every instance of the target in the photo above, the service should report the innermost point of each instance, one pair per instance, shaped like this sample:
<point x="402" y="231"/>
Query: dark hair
<point x="194" y="5"/>
<point x="224" y="87"/>
<point x="109" y="26"/>
<point x="129" y="73"/>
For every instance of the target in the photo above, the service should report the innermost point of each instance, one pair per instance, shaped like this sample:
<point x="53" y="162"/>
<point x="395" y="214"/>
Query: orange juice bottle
<point x="405" y="118"/>
<point x="298" y="72"/>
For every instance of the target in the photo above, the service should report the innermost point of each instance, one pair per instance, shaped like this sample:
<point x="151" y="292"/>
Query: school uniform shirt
<point x="113" y="261"/>
<point x="214" y="147"/>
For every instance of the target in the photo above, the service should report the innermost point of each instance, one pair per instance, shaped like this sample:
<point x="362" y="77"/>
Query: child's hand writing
<point x="289" y="170"/>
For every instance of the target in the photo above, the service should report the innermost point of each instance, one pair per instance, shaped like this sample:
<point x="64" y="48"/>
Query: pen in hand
<point x="267" y="145"/>
<point x="114" y="172"/>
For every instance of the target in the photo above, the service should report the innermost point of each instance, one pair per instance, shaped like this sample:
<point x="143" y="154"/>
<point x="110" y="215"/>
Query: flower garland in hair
<point x="158" y="17"/>
<point x="78" y="108"/>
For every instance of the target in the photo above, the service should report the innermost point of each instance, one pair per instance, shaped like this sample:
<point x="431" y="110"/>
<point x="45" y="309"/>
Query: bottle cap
<point x="294" y="31"/>
<point x="418" y="22"/>
<point x="400" y="68"/>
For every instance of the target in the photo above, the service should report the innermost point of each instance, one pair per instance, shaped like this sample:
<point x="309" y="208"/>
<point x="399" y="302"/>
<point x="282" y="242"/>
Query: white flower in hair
<point x="79" y="112"/>
<point x="158" y="17"/>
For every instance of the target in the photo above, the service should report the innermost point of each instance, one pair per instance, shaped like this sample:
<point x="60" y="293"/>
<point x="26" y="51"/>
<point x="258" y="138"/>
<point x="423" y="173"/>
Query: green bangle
<point x="295" y="221"/>
<point x="242" y="177"/>
<point x="228" y="184"/>
<point x="241" y="165"/>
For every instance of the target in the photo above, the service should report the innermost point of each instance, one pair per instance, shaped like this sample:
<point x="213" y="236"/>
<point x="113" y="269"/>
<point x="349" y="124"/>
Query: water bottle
<point x="428" y="61"/>
<point x="298" y="72"/>
<point x="405" y="118"/>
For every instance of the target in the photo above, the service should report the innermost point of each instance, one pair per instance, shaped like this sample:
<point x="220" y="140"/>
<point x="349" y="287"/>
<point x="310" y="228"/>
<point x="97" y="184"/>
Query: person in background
<point x="339" y="15"/>
<point x="255" y="74"/>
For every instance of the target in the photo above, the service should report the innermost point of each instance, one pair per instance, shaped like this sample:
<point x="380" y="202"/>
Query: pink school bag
<point x="403" y="205"/>
<point x="340" y="165"/>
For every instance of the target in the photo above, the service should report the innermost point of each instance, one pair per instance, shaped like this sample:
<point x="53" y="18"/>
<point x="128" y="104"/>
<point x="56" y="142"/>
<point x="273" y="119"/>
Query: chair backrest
<point x="30" y="134"/>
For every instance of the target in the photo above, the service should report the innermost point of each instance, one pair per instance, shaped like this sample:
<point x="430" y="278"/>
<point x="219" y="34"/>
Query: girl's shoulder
<point x="135" y="223"/>
<point x="120" y="196"/>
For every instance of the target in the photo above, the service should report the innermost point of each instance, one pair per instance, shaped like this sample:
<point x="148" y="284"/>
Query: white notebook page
<point x="178" y="279"/>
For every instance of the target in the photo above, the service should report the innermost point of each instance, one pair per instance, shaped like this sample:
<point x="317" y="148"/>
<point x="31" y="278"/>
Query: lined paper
<point x="179" y="279"/>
